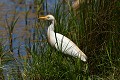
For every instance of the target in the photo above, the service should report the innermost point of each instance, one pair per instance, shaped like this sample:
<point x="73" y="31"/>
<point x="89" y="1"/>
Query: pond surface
<point x="18" y="8"/>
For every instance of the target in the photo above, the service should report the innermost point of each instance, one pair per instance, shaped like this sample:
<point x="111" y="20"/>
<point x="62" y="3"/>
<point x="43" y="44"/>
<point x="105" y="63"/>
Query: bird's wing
<point x="68" y="47"/>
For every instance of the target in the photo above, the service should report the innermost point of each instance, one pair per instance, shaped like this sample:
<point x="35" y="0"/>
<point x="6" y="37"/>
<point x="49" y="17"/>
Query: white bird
<point x="60" y="42"/>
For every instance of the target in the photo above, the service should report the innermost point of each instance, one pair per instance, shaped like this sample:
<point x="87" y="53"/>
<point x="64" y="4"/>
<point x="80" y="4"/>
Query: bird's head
<point x="48" y="17"/>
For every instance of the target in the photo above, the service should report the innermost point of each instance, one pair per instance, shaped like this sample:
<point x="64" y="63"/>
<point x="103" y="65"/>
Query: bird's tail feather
<point x="84" y="58"/>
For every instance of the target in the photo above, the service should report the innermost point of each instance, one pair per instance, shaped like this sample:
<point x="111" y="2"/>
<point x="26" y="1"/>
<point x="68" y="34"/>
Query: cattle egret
<point x="60" y="42"/>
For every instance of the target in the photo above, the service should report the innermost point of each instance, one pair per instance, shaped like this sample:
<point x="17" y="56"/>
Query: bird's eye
<point x="48" y="17"/>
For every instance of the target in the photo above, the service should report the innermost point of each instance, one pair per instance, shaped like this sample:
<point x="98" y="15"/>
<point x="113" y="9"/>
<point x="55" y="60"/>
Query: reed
<point x="10" y="28"/>
<point x="94" y="27"/>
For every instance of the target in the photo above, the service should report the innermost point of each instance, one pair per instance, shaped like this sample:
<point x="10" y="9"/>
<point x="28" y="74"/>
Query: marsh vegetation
<point x="94" y="26"/>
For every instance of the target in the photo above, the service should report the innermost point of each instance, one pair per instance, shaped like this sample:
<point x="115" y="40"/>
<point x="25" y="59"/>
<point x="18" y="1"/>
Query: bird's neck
<point x="51" y="27"/>
<point x="50" y="31"/>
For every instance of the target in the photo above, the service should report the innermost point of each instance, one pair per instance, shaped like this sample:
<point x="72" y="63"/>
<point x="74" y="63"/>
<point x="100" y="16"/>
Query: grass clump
<point x="94" y="27"/>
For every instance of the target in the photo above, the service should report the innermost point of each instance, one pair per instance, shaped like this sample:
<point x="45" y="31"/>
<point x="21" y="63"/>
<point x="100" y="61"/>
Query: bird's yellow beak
<point x="44" y="17"/>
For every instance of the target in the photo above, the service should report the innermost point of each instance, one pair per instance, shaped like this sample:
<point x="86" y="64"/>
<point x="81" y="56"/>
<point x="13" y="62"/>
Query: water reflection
<point x="10" y="8"/>
<point x="19" y="8"/>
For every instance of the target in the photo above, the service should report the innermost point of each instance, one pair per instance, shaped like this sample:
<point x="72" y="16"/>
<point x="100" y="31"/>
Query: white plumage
<point x="61" y="42"/>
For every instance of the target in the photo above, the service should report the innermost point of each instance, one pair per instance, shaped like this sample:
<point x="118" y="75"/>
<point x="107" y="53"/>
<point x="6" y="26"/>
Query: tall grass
<point x="94" y="27"/>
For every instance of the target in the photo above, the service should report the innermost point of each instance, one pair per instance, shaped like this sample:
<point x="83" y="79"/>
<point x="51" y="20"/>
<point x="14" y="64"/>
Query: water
<point x="8" y="9"/>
